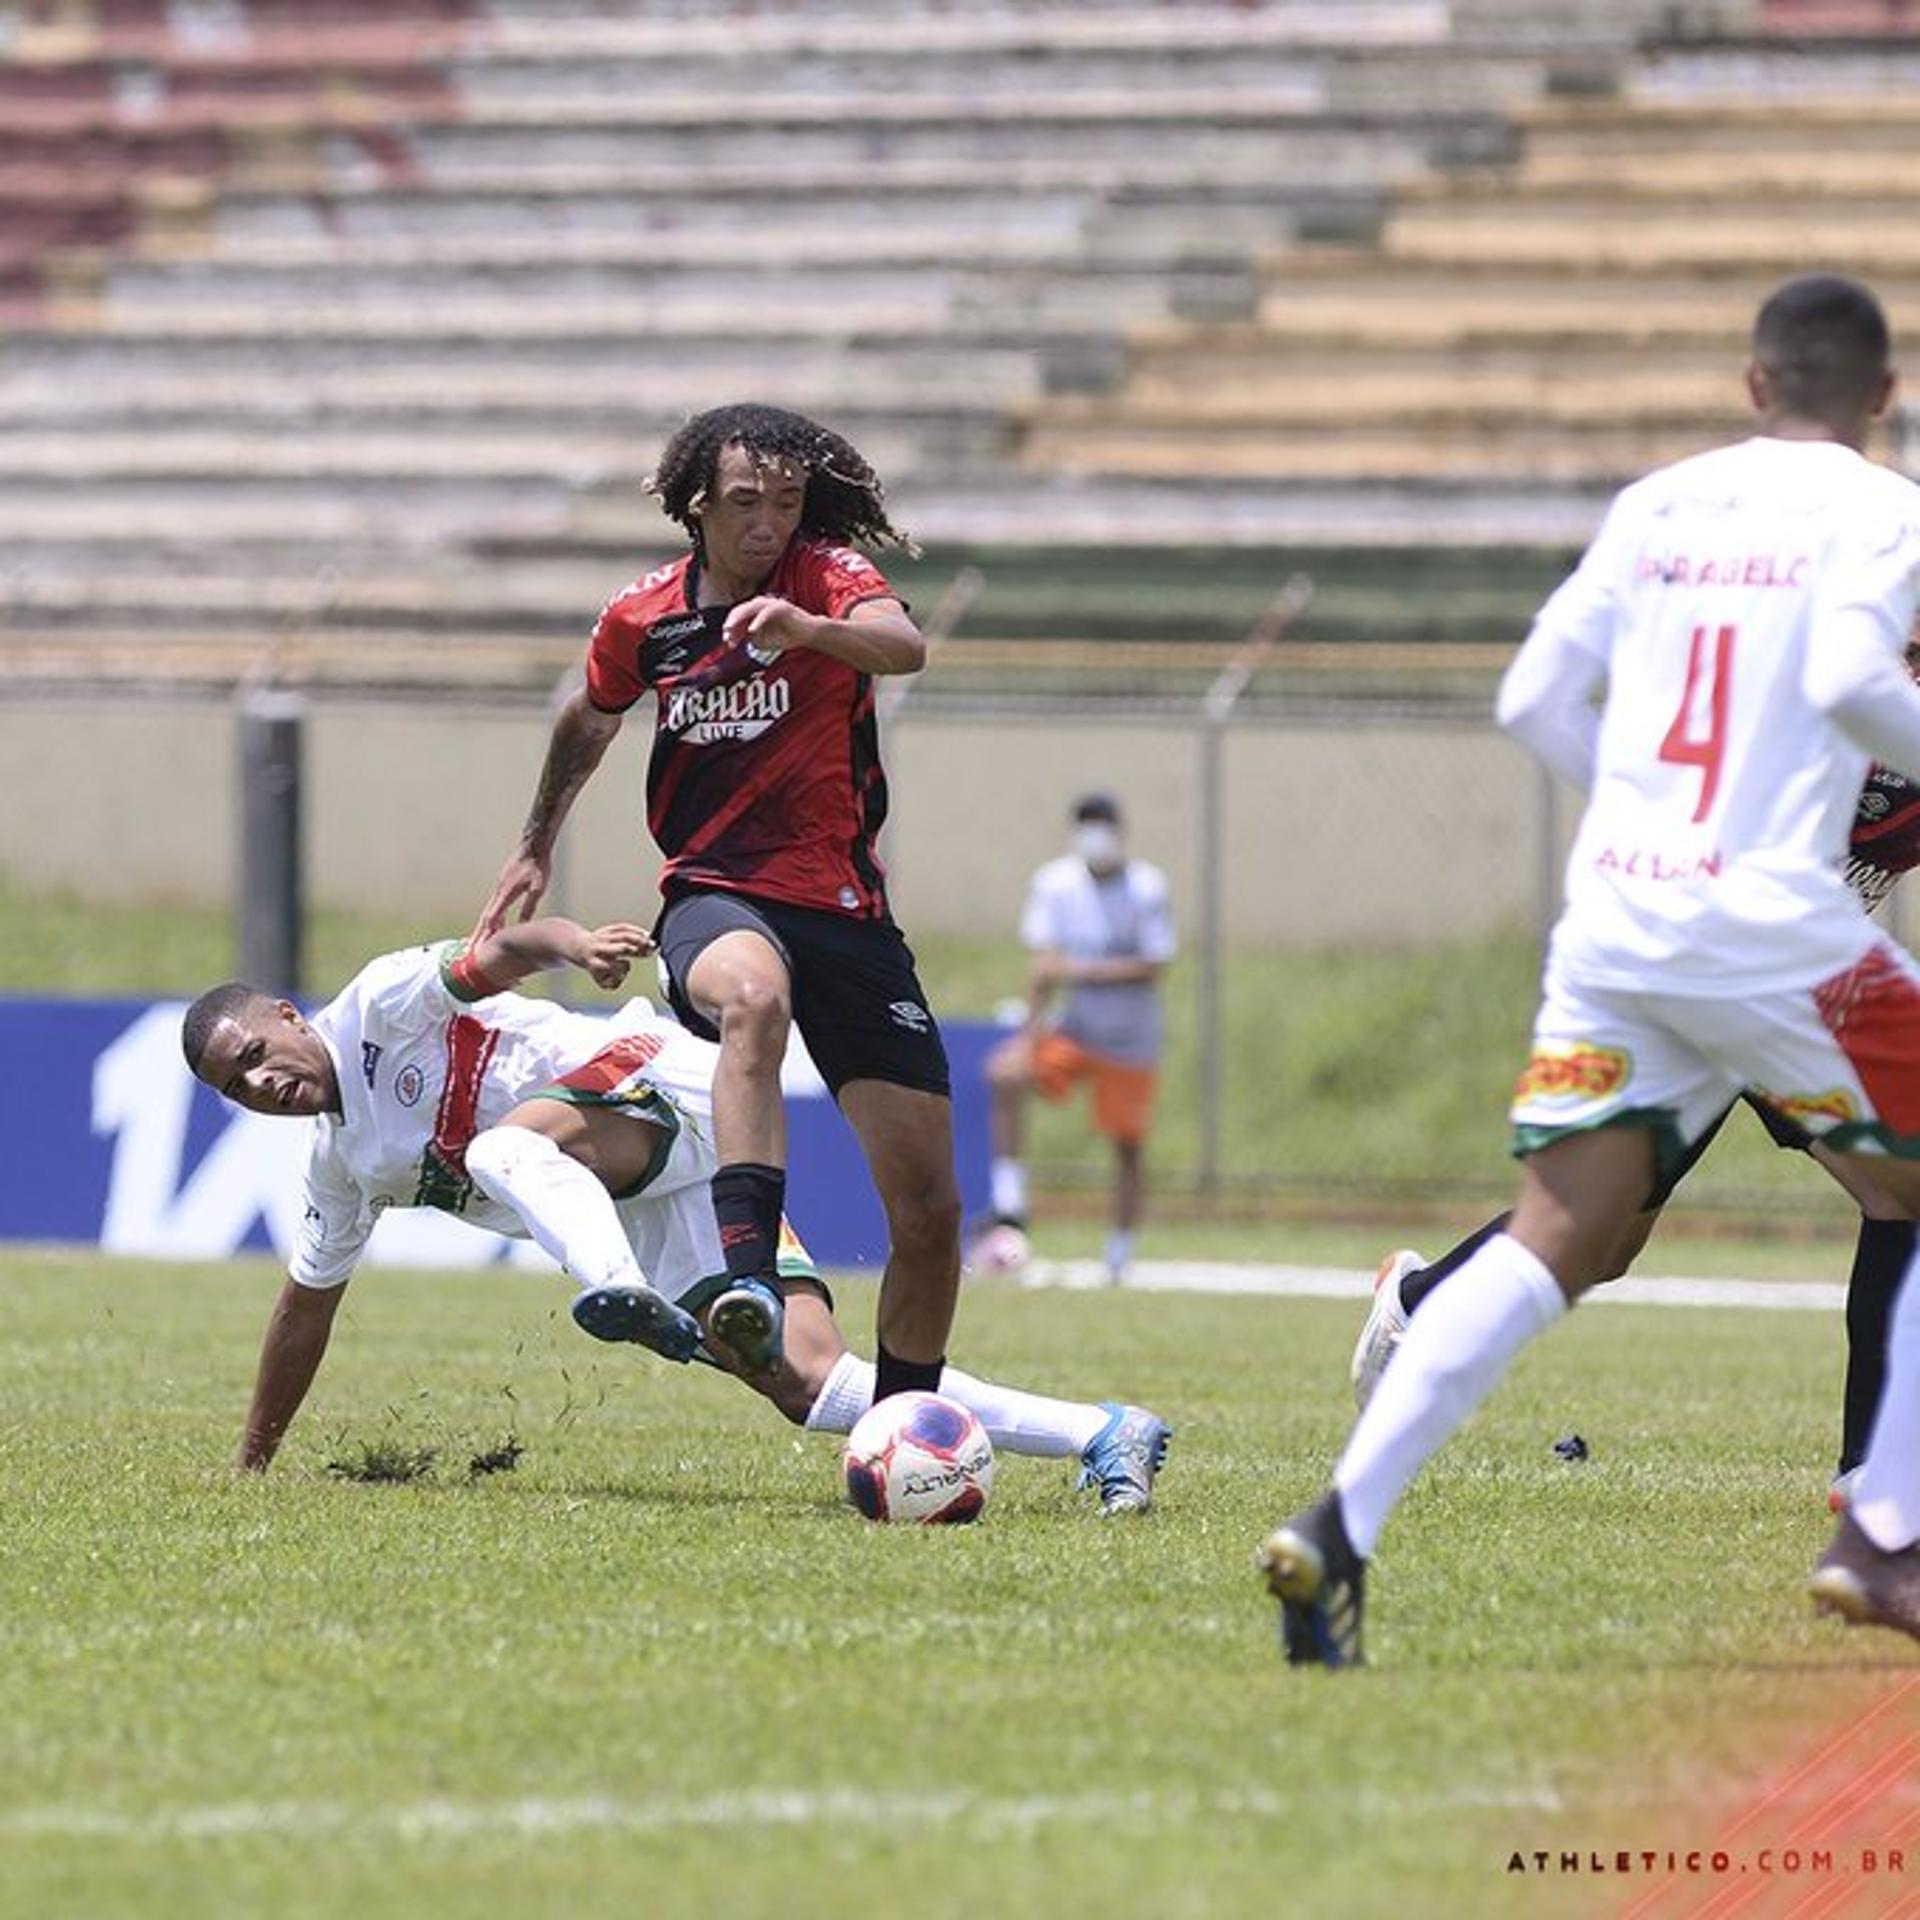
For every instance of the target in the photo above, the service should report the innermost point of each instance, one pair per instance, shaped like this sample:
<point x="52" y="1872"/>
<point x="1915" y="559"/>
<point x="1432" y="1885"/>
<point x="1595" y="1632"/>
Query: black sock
<point x="1879" y="1259"/>
<point x="891" y="1374"/>
<point x="1414" y="1287"/>
<point x="747" y="1199"/>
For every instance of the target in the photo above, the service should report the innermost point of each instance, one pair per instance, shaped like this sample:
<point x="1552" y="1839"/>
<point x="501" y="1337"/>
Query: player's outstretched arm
<point x="581" y="735"/>
<point x="877" y="636"/>
<point x="503" y="958"/>
<point x="290" y="1355"/>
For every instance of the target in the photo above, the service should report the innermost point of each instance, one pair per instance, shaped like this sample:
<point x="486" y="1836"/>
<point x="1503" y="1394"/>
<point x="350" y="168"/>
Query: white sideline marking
<point x="425" y="1821"/>
<point x="1341" y="1283"/>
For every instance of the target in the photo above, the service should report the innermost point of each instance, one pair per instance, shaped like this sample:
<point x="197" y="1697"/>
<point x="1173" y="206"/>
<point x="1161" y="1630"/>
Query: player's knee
<point x="755" y="1013"/>
<point x="493" y="1154"/>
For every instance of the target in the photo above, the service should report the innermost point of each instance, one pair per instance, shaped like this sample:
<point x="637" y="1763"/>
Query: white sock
<point x="1008" y="1183"/>
<point x="564" y="1206"/>
<point x="1119" y="1250"/>
<point x="1462" y="1340"/>
<point x="1020" y="1422"/>
<point x="1886" y="1496"/>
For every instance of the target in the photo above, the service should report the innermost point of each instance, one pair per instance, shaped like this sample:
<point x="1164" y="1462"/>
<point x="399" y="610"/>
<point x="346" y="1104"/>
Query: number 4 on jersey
<point x="1709" y="692"/>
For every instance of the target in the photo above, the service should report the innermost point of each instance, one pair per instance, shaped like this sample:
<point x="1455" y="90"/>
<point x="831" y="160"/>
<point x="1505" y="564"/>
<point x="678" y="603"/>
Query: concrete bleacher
<point x="361" y="324"/>
<point x="413" y="294"/>
<point x="1561" y="318"/>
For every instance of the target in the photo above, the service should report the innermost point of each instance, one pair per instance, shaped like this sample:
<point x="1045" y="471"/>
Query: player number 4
<point x="1698" y="736"/>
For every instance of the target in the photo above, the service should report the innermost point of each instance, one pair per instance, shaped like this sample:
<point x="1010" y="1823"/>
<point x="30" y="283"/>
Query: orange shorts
<point x="1122" y="1092"/>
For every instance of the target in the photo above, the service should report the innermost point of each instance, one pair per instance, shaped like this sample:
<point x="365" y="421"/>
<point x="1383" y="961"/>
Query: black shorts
<point x="856" y="999"/>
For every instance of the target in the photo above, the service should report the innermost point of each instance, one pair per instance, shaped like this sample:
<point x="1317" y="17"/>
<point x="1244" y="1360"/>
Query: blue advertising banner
<point x="107" y="1140"/>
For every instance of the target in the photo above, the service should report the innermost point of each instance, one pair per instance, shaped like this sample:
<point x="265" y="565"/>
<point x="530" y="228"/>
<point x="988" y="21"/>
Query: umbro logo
<point x="911" y="1015"/>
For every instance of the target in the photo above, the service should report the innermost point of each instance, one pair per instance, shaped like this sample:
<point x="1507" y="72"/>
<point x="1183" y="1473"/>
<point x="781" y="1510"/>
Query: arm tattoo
<point x="572" y="755"/>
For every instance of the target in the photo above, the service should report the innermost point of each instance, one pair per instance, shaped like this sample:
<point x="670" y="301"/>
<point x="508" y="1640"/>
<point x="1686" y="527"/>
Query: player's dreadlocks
<point x="845" y="502"/>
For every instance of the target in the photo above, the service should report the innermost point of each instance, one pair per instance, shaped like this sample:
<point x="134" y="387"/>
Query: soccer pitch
<point x="659" y="1668"/>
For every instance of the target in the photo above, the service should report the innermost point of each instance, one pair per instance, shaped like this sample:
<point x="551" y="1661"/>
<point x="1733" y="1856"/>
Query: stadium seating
<point x="360" y="324"/>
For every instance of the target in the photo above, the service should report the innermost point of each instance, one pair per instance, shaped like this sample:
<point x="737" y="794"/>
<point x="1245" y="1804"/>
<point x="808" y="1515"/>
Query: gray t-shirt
<point x="1123" y="915"/>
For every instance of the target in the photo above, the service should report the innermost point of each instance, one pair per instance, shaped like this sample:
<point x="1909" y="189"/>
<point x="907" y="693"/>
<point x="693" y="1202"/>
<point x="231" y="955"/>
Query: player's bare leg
<point x="907" y="1136"/>
<point x="1129" y="1185"/>
<point x="740" y="983"/>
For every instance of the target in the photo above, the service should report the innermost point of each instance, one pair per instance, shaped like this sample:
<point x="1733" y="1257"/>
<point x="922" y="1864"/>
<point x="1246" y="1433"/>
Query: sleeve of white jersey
<point x="1856" y="670"/>
<point x="1158" y="941"/>
<point x="334" y="1227"/>
<point x="1547" y="694"/>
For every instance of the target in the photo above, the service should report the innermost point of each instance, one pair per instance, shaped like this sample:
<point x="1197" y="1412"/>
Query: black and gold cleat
<point x="1321" y="1584"/>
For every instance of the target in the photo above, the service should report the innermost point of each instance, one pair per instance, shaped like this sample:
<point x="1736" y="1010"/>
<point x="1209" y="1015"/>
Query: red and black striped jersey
<point x="765" y="776"/>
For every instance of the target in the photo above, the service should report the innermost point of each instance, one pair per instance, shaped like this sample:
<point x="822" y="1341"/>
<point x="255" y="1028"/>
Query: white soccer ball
<point x="919" y="1459"/>
<point x="1001" y="1249"/>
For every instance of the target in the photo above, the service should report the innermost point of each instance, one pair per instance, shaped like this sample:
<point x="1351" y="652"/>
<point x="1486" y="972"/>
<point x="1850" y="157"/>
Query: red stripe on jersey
<point x="1873" y="1011"/>
<point x="613" y="1064"/>
<point x="470" y="1046"/>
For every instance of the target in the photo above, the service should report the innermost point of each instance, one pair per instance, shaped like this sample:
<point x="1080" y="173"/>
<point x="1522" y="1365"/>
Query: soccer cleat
<point x="746" y="1320"/>
<point x="639" y="1314"/>
<point x="1840" y="1494"/>
<point x="1865" y="1584"/>
<point x="1123" y="1457"/>
<point x="1386" y="1324"/>
<point x="1321" y="1583"/>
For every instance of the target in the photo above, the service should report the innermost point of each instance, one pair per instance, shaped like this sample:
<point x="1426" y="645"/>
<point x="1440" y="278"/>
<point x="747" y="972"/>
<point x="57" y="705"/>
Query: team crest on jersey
<point x="1572" y="1073"/>
<point x="1836" y="1105"/>
<point x="740" y="710"/>
<point x="408" y="1085"/>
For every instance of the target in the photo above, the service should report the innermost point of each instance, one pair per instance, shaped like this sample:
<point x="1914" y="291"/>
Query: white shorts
<point x="666" y="1078"/>
<point x="1841" y="1059"/>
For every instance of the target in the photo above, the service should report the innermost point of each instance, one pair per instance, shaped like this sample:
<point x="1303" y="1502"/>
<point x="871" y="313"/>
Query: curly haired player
<point x="766" y="795"/>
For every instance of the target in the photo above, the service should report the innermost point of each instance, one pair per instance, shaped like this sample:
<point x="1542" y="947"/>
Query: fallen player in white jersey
<point x="429" y="1084"/>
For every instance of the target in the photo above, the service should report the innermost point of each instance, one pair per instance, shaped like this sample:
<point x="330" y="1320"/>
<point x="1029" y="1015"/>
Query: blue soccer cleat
<point x="1123" y="1457"/>
<point x="1321" y="1584"/>
<point x="638" y="1314"/>
<point x="747" y="1320"/>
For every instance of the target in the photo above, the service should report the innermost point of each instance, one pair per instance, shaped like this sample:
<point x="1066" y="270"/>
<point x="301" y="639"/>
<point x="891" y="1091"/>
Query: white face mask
<point x="1097" y="842"/>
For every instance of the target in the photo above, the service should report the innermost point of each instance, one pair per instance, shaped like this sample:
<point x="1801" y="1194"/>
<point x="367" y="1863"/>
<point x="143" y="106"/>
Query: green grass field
<point x="660" y="1669"/>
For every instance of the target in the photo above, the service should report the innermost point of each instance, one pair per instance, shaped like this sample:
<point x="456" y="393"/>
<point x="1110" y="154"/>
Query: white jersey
<point x="422" y="1069"/>
<point x="1123" y="915"/>
<point x="1712" y="857"/>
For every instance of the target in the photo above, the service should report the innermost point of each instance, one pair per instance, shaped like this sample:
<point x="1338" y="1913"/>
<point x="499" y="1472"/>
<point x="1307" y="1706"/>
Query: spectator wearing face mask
<point x="1100" y="930"/>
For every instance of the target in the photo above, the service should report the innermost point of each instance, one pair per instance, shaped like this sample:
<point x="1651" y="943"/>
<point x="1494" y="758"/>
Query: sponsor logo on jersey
<point x="408" y="1085"/>
<point x="1836" y="1105"/>
<point x="1581" y="1071"/>
<point x="370" y="1052"/>
<point x="911" y="1015"/>
<point x="741" y="710"/>
<point x="670" y="644"/>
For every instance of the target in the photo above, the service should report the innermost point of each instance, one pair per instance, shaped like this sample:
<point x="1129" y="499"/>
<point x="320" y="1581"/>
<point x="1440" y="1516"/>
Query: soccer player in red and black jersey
<point x="766" y="794"/>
